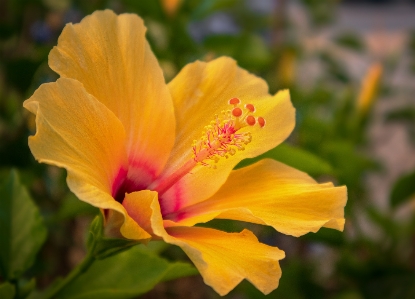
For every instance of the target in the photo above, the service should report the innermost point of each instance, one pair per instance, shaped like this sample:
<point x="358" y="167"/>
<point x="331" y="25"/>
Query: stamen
<point x="261" y="121"/>
<point x="234" y="101"/>
<point x="237" y="112"/>
<point x="250" y="107"/>
<point x="222" y="137"/>
<point x="250" y="120"/>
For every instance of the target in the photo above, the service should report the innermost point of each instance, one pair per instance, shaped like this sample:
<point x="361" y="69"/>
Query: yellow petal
<point x="138" y="205"/>
<point x="271" y="193"/>
<point x="201" y="91"/>
<point x="109" y="55"/>
<point x="78" y="133"/>
<point x="224" y="259"/>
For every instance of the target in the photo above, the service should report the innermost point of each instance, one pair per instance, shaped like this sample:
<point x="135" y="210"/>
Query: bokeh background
<point x="350" y="68"/>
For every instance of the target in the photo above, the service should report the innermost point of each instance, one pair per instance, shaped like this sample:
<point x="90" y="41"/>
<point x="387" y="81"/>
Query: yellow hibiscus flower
<point x="157" y="158"/>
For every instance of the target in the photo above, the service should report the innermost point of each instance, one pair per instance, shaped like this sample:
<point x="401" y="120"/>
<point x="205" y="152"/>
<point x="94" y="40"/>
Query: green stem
<point x="78" y="270"/>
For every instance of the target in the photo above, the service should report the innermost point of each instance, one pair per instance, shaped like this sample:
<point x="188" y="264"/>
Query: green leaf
<point x="7" y="290"/>
<point x="326" y="236"/>
<point x="157" y="247"/>
<point x="390" y="286"/>
<point x="405" y="114"/>
<point x="254" y="54"/>
<point x="25" y="287"/>
<point x="249" y="50"/>
<point x="403" y="190"/>
<point x="125" y="275"/>
<point x="351" y="41"/>
<point x="349" y="163"/>
<point x="22" y="230"/>
<point x="179" y="269"/>
<point x="295" y="157"/>
<point x="207" y="7"/>
<point x="389" y="226"/>
<point x="152" y="9"/>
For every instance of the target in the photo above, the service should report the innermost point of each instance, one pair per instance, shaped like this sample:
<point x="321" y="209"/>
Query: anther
<point x="250" y="120"/>
<point x="234" y="101"/>
<point x="237" y="112"/>
<point x="250" y="107"/>
<point x="261" y="121"/>
<point x="222" y="138"/>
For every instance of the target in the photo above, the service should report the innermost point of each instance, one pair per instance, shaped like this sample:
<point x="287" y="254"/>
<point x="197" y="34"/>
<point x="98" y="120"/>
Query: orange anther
<point x="234" y="101"/>
<point x="261" y="121"/>
<point x="250" y="107"/>
<point x="250" y="120"/>
<point x="236" y="112"/>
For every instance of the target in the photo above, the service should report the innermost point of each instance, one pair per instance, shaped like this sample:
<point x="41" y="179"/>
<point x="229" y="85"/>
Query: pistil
<point x="168" y="182"/>
<point x="222" y="138"/>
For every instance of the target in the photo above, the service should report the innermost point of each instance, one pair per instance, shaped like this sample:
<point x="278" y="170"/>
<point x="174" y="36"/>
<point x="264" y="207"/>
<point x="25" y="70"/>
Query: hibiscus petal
<point x="114" y="62"/>
<point x="201" y="91"/>
<point x="274" y="194"/>
<point x="78" y="133"/>
<point x="138" y="205"/>
<point x="224" y="259"/>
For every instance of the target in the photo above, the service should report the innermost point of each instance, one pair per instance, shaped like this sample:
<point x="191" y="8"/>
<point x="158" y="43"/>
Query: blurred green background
<point x="350" y="68"/>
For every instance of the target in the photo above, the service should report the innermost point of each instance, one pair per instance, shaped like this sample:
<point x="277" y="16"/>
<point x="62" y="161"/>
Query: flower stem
<point x="78" y="270"/>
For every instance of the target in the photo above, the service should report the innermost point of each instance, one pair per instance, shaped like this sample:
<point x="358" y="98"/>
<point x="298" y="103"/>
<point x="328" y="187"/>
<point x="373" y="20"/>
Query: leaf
<point x="254" y="53"/>
<point x="403" y="190"/>
<point x="405" y="114"/>
<point x="294" y="157"/>
<point x="157" y="247"/>
<point x="349" y="163"/>
<point x="389" y="226"/>
<point x="20" y="71"/>
<point x="351" y="41"/>
<point x="249" y="50"/>
<point x="154" y="9"/>
<point x="22" y="230"/>
<point x="25" y="287"/>
<point x="179" y="269"/>
<point x="7" y="290"/>
<point x="391" y="286"/>
<point x="326" y="236"/>
<point x="207" y="7"/>
<point x="125" y="275"/>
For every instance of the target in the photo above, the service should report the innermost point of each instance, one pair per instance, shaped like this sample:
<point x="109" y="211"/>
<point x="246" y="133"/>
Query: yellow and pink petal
<point x="211" y="99"/>
<point x="110" y="56"/>
<point x="223" y="259"/>
<point x="270" y="193"/>
<point x="80" y="134"/>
